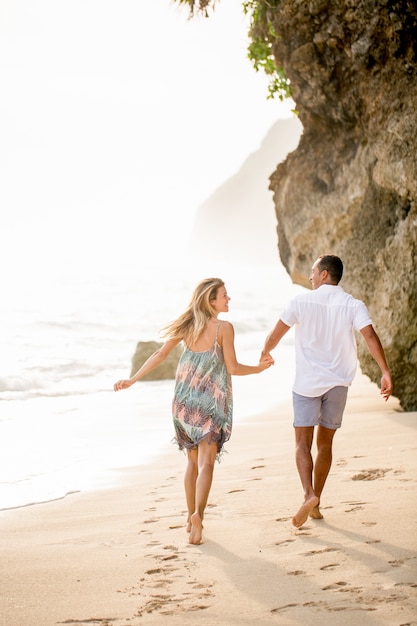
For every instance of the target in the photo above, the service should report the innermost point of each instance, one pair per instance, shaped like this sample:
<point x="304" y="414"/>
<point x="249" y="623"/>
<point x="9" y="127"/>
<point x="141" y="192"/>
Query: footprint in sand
<point x="155" y="570"/>
<point x="337" y="585"/>
<point x="162" y="590"/>
<point x="161" y="584"/>
<point x="104" y="621"/>
<point x="169" y="557"/>
<point x="283" y="608"/>
<point x="314" y="552"/>
<point x="312" y="603"/>
<point x="355" y="506"/>
<point x="371" y="474"/>
<point x="178" y="600"/>
<point x="284" y="542"/>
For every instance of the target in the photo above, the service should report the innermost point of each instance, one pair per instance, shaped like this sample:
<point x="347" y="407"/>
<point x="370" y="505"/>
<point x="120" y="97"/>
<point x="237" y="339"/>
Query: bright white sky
<point x="118" y="118"/>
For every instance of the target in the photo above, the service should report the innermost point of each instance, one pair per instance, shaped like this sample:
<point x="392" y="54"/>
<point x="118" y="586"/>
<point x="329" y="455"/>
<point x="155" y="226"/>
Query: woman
<point x="202" y="404"/>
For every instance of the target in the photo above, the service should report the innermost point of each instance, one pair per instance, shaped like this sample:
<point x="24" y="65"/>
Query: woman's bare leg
<point x="190" y="479"/>
<point x="206" y="459"/>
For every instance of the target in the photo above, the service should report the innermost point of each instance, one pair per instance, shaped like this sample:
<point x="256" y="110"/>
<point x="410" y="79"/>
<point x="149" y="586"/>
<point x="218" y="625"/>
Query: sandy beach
<point x="120" y="557"/>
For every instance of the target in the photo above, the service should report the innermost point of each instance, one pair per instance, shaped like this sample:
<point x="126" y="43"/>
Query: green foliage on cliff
<point x="199" y="6"/>
<point x="261" y="35"/>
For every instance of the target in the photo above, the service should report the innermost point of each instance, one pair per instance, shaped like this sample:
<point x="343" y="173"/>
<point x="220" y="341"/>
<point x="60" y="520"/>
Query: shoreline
<point x="105" y="433"/>
<point x="120" y="556"/>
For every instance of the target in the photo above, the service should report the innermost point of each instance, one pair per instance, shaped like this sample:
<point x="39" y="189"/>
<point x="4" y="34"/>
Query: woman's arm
<point x="227" y="341"/>
<point x="153" y="361"/>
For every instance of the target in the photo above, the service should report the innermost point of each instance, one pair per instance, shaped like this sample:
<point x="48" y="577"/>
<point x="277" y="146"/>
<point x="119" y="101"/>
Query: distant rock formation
<point x="239" y="216"/>
<point x="165" y="370"/>
<point x="350" y="188"/>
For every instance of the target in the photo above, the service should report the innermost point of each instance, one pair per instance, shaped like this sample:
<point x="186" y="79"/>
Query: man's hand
<point x="386" y="386"/>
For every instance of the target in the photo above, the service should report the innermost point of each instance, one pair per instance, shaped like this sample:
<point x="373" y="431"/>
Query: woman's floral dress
<point x="202" y="406"/>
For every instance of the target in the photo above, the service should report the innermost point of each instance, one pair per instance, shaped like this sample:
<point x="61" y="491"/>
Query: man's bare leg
<point x="304" y="462"/>
<point x="322" y="464"/>
<point x="206" y="459"/>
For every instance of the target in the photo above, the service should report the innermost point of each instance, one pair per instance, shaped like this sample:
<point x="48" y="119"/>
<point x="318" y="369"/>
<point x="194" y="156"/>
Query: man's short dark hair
<point x="333" y="265"/>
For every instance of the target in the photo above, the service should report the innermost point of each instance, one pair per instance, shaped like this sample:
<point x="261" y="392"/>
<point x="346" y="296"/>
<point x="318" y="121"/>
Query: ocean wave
<point x="31" y="395"/>
<point x="20" y="383"/>
<point x="47" y="500"/>
<point x="47" y="376"/>
<point x="26" y="388"/>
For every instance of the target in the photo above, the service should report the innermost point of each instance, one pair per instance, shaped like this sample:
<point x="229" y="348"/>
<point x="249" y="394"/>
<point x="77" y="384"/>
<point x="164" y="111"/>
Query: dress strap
<point x="217" y="329"/>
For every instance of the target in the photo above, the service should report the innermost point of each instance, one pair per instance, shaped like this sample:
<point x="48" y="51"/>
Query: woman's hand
<point x="266" y="362"/>
<point x="267" y="358"/>
<point x="123" y="384"/>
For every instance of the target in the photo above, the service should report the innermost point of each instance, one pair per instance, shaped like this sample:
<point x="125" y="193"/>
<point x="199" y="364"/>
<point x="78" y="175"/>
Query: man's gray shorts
<point x="326" y="410"/>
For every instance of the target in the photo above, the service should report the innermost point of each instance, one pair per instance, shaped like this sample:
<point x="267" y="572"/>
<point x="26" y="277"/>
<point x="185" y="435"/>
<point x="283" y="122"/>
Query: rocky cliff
<point x="350" y="188"/>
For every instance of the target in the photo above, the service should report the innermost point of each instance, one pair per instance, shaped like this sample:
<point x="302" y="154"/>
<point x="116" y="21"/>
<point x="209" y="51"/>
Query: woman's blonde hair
<point x="192" y="322"/>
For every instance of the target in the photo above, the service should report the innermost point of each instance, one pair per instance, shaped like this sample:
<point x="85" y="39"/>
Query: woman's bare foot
<point x="196" y="529"/>
<point x="188" y="526"/>
<point x="303" y="512"/>
<point x="315" y="513"/>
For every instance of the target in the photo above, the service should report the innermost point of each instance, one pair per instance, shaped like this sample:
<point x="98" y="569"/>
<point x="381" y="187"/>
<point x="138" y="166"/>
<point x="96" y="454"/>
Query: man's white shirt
<point x="325" y="345"/>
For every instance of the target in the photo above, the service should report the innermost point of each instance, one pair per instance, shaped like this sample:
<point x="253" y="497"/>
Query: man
<point x="326" y="360"/>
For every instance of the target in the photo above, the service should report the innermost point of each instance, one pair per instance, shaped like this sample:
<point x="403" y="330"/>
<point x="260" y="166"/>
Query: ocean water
<point x="66" y="338"/>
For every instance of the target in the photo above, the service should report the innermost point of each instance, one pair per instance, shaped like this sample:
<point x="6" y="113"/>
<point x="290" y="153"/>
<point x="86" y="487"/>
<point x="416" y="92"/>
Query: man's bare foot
<point x="315" y="513"/>
<point x="303" y="512"/>
<point x="196" y="529"/>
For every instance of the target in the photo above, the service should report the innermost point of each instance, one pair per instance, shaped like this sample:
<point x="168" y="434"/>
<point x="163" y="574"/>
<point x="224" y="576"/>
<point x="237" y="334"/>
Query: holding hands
<point x="266" y="361"/>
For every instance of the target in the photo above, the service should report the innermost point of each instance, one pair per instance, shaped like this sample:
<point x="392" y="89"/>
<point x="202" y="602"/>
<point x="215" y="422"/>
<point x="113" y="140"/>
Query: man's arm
<point x="375" y="348"/>
<point x="274" y="338"/>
